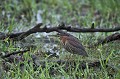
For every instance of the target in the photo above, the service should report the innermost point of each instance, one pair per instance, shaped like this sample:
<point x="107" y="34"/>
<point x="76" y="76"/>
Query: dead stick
<point x="13" y="53"/>
<point x="113" y="37"/>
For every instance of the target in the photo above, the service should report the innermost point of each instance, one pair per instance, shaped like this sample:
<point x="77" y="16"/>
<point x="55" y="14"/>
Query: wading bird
<point x="71" y="43"/>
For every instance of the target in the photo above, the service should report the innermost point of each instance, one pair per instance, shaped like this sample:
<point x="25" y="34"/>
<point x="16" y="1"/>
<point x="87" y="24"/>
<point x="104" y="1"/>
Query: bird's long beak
<point x="54" y="35"/>
<point x="57" y="35"/>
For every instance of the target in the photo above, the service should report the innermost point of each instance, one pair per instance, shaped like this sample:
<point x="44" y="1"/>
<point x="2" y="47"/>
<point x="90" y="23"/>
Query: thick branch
<point x="37" y="28"/>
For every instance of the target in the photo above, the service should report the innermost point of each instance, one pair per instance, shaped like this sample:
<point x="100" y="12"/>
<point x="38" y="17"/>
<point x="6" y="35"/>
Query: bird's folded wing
<point x="76" y="44"/>
<point x="75" y="50"/>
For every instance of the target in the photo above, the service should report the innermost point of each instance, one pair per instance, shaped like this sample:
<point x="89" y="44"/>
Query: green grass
<point x="21" y="16"/>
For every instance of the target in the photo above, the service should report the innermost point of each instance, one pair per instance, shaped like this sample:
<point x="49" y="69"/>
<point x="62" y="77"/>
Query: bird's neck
<point x="63" y="39"/>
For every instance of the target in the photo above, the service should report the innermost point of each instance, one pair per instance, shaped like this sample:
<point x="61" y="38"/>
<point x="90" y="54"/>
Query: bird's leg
<point x="69" y="57"/>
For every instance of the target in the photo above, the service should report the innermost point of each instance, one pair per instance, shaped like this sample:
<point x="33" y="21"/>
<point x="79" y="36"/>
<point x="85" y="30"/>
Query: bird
<point x="71" y="43"/>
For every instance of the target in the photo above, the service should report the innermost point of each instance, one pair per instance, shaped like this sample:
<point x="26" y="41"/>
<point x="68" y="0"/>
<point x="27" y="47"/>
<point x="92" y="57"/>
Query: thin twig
<point x="13" y="53"/>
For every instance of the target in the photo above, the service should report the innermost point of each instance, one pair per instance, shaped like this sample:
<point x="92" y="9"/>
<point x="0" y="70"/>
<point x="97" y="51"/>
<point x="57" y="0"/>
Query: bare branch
<point x="113" y="37"/>
<point x="37" y="28"/>
<point x="13" y="53"/>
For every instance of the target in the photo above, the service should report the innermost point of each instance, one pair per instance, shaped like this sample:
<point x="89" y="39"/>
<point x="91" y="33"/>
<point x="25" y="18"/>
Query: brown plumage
<point x="72" y="44"/>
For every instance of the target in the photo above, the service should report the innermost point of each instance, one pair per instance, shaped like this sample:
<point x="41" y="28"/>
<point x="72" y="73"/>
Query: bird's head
<point x="62" y="33"/>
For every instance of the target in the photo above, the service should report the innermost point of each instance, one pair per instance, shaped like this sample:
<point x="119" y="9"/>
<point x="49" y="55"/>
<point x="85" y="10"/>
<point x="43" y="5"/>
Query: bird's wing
<point x="75" y="50"/>
<point x="75" y="42"/>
